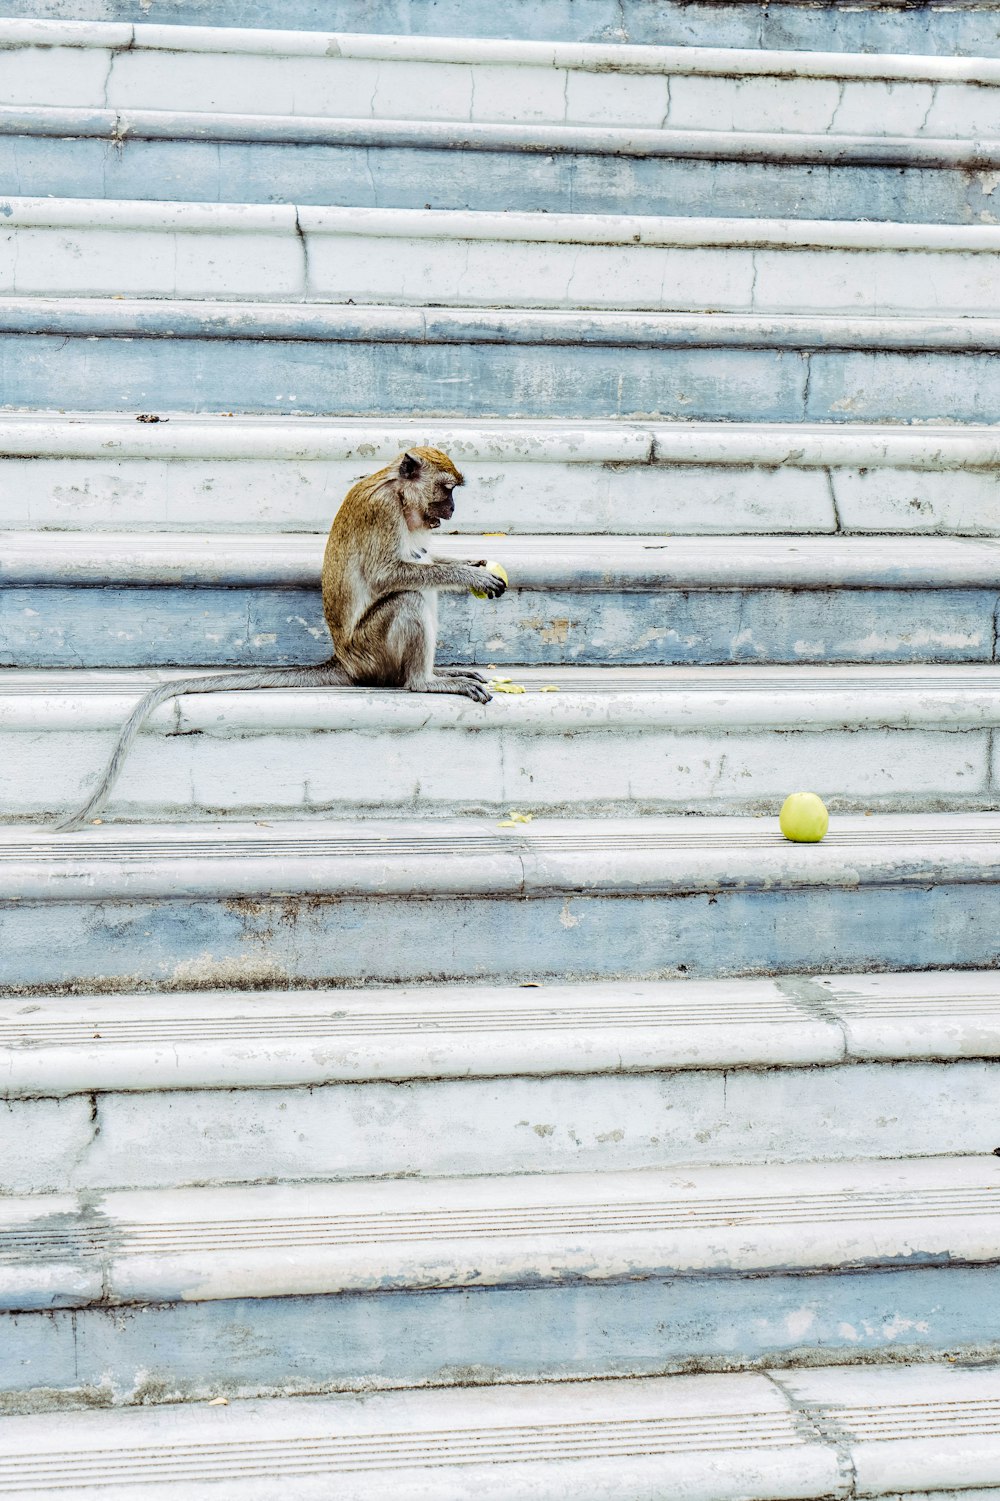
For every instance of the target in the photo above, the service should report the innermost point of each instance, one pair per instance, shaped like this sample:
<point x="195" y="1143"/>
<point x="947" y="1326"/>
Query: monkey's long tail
<point x="326" y="675"/>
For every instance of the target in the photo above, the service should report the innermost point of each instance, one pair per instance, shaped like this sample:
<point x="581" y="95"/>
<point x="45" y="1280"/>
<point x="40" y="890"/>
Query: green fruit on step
<point x="803" y="818"/>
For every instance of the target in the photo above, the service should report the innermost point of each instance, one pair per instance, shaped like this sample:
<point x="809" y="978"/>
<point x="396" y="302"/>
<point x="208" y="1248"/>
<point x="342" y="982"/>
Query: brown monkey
<point x="379" y="597"/>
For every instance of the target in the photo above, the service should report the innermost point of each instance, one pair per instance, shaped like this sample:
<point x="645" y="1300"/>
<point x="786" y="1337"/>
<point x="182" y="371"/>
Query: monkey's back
<point x="363" y="530"/>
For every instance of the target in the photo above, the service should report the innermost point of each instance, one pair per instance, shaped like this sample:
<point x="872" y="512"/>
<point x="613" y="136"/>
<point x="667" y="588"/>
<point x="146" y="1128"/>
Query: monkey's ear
<point x="409" y="466"/>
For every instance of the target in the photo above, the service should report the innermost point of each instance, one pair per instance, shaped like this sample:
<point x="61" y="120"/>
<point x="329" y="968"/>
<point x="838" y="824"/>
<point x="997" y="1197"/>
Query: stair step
<point x="411" y="1282"/>
<point x="711" y="740"/>
<point x="50" y="151"/>
<point x="270" y="904"/>
<point x="808" y="1433"/>
<point x="536" y="562"/>
<point x="200" y="600"/>
<point x="963" y="29"/>
<point x="157" y="355"/>
<point x="718" y="1437"/>
<point x="86" y="472"/>
<point x="234" y="70"/>
<point x="211" y="1244"/>
<point x="226" y="1040"/>
<point x="150" y="1092"/>
<point x="343" y="1079"/>
<point x="412" y="257"/>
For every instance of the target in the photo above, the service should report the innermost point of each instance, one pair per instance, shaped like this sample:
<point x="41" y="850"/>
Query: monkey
<point x="380" y="587"/>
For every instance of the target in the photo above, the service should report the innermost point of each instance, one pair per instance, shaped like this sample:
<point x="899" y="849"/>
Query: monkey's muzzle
<point x="441" y="510"/>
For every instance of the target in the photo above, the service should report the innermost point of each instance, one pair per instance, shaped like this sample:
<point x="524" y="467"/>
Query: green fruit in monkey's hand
<point x="803" y="818"/>
<point x="500" y="572"/>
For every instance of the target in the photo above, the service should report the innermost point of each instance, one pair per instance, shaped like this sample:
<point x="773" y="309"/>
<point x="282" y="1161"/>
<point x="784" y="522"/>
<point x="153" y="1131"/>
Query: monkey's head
<point x="426" y="479"/>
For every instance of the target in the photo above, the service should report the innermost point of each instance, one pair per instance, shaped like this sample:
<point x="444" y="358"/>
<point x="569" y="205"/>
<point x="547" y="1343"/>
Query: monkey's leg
<point x="400" y="634"/>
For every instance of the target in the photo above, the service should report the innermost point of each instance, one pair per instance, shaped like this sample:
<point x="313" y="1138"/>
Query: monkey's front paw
<point x="489" y="585"/>
<point x="475" y="691"/>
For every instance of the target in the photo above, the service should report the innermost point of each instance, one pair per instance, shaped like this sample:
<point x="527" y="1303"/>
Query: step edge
<point x="121" y="126"/>
<point x="616" y="57"/>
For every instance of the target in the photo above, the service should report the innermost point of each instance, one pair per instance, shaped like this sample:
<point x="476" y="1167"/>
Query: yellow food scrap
<point x="549" y="688"/>
<point x="514" y="818"/>
<point x="508" y="687"/>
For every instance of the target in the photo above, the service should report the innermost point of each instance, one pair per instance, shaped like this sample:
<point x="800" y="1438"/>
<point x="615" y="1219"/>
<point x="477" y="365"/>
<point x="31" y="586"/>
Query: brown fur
<point x="380" y="582"/>
<point x="379" y="597"/>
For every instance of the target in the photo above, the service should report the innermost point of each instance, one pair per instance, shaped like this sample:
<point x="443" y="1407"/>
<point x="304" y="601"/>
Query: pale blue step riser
<point x="913" y="28"/>
<point x="139" y="627"/>
<point x="190" y="943"/>
<point x="148" y="1353"/>
<point x="392" y="379"/>
<point x="612" y="1123"/>
<point x="403" y="177"/>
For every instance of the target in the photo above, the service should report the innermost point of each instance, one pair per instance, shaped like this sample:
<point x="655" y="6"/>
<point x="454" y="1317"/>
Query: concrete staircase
<point x="412" y="1098"/>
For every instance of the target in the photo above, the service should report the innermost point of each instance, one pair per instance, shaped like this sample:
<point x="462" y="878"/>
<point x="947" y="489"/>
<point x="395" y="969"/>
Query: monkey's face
<point x="441" y="506"/>
<point x="427" y="489"/>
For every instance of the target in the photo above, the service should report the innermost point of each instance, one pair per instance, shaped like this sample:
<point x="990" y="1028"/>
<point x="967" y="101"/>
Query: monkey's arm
<point x="440" y="573"/>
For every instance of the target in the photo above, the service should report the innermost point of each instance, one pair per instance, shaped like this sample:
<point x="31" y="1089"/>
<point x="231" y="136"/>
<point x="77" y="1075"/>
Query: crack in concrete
<point x="16" y="237"/>
<point x="813" y="1423"/>
<point x="118" y="132"/>
<point x="810" y="997"/>
<point x="670" y="101"/>
<point x="831" y="488"/>
<point x="87" y="1145"/>
<point x="819" y="1423"/>
<point x="371" y="177"/>
<point x="927" y="113"/>
<point x="832" y="125"/>
<point x="113" y="54"/>
<point x="304" y="242"/>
